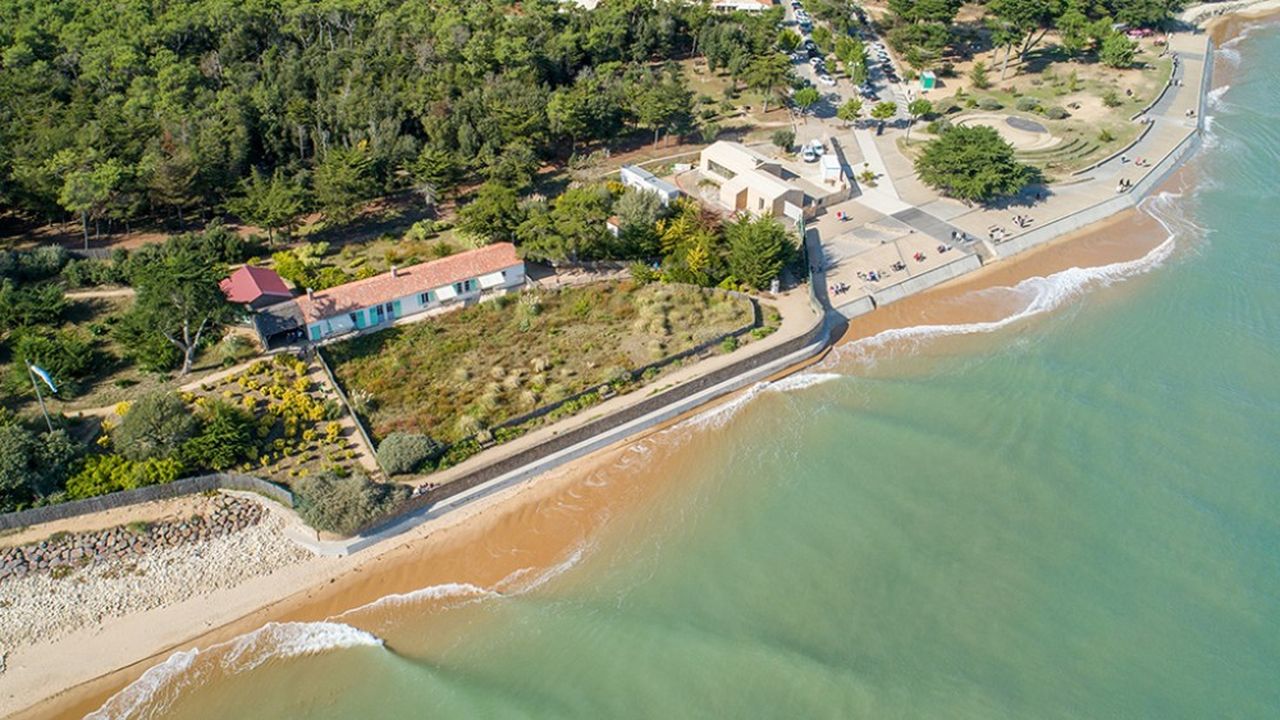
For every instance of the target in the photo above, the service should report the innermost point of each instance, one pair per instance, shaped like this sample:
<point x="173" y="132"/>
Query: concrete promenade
<point x="898" y="237"/>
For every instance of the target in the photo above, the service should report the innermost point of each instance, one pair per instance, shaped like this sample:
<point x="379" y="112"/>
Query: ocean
<point x="1070" y="509"/>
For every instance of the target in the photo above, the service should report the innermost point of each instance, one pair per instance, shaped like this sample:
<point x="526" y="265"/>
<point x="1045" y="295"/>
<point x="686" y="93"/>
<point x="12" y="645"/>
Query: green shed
<point x="928" y="80"/>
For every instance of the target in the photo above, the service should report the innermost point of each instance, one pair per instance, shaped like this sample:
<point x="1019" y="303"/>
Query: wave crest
<point x="152" y="694"/>
<point x="1042" y="294"/>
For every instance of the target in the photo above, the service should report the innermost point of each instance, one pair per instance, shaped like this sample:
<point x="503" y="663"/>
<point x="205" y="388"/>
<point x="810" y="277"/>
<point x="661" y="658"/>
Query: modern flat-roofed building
<point x="638" y="178"/>
<point x="751" y="181"/>
<point x="750" y="6"/>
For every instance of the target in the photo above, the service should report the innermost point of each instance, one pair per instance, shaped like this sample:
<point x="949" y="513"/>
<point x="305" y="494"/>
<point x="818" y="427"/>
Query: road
<point x="833" y="97"/>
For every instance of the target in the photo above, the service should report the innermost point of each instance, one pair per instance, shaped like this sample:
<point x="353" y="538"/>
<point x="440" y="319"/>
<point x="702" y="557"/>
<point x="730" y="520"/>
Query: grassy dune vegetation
<point x="457" y="374"/>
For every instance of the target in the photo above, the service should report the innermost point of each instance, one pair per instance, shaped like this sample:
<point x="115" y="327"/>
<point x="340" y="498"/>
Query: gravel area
<point x="39" y="607"/>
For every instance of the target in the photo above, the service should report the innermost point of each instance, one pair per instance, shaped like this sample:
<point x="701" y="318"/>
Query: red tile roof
<point x="407" y="281"/>
<point x="249" y="283"/>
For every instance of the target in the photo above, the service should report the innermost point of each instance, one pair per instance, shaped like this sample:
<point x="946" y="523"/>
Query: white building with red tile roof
<point x="455" y="280"/>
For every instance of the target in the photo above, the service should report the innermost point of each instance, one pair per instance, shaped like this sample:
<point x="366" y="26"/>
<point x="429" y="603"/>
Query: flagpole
<point x="31" y="373"/>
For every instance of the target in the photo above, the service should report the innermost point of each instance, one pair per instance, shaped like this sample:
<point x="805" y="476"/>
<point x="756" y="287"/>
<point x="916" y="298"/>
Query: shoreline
<point x="323" y="587"/>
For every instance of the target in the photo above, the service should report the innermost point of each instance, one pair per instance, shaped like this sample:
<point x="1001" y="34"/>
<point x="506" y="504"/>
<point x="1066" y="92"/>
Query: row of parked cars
<point x="802" y="17"/>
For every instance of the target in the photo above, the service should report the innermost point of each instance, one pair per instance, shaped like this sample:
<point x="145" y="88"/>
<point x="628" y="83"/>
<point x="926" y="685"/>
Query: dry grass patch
<point x="456" y="374"/>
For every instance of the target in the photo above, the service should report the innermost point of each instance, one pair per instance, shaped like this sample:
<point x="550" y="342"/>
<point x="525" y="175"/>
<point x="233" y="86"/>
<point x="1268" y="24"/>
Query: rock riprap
<point x="62" y="554"/>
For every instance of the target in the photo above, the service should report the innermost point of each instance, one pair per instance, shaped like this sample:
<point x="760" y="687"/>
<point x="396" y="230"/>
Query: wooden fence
<point x="124" y="498"/>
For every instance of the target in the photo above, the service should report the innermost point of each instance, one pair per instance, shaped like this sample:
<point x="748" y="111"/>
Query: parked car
<point x="827" y="80"/>
<point x="808" y="155"/>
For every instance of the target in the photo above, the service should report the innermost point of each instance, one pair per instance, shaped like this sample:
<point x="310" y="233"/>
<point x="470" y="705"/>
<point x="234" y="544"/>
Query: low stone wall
<point x="229" y="514"/>
<point x="124" y="498"/>
<point x="924" y="281"/>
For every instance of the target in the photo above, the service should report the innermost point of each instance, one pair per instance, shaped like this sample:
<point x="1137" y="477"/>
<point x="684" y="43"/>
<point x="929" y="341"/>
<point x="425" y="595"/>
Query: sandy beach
<point x="517" y="530"/>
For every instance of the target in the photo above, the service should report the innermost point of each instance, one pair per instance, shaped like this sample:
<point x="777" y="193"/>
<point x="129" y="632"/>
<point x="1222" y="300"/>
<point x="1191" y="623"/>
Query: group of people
<point x="1023" y="220"/>
<point x="840" y="288"/>
<point x="1125" y="185"/>
<point x="957" y="236"/>
<point x="1139" y="162"/>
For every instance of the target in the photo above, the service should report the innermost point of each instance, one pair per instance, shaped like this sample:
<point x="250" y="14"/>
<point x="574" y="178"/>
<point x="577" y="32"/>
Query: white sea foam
<point x="465" y="592"/>
<point x="1231" y="55"/>
<point x="1215" y="97"/>
<point x="528" y="579"/>
<point x="1041" y="294"/>
<point x="719" y="415"/>
<point x="152" y="694"/>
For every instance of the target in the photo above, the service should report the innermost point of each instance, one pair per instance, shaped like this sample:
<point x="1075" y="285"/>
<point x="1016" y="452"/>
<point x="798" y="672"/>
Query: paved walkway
<point x="901" y="209"/>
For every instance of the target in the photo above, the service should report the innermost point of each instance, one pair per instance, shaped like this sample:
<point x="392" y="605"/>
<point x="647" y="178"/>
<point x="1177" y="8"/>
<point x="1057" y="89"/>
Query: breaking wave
<point x="1040" y="294"/>
<point x="154" y="693"/>
<point x="445" y="591"/>
<point x="717" y="416"/>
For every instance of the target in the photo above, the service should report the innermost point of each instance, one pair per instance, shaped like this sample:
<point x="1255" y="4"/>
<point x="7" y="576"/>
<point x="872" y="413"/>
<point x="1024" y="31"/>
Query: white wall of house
<point x="456" y="295"/>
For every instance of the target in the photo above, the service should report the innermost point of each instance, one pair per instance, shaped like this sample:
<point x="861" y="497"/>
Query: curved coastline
<point x="341" y="588"/>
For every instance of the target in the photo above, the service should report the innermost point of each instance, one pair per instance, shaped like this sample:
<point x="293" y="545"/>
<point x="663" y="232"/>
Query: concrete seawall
<point x="965" y="265"/>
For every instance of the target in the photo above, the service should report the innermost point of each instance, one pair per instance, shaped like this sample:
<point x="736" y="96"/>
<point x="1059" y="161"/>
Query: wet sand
<point x="536" y="526"/>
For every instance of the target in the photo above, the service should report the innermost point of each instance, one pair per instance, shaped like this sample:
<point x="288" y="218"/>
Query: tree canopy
<point x="142" y="108"/>
<point x="972" y="163"/>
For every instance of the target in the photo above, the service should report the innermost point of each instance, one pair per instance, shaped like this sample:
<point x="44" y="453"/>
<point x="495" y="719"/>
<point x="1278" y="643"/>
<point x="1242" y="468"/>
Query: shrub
<point x="784" y="139"/>
<point x="235" y="348"/>
<point x="939" y="126"/>
<point x="1057" y="112"/>
<point x="41" y="263"/>
<point x="1111" y="98"/>
<point x="229" y="436"/>
<point x="104" y="474"/>
<point x="344" y="505"/>
<point x="400" y="452"/>
<point x="989" y="103"/>
<point x="1027" y="104"/>
<point x="729" y="344"/>
<point x="1106" y="136"/>
<point x="156" y="425"/>
<point x="643" y="274"/>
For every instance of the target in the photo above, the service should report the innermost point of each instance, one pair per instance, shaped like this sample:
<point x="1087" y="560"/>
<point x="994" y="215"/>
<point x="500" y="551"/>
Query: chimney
<point x="310" y="294"/>
<point x="393" y="271"/>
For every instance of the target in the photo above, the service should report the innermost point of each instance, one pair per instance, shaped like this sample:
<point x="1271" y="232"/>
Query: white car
<point x="827" y="80"/>
<point x="808" y="155"/>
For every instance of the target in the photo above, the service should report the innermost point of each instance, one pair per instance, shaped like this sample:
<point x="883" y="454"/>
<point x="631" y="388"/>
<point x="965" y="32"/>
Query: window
<point x="426" y="298"/>
<point x="458" y="289"/>
<point x="472" y="285"/>
<point x="720" y="170"/>
<point x="379" y="315"/>
<point x="389" y="309"/>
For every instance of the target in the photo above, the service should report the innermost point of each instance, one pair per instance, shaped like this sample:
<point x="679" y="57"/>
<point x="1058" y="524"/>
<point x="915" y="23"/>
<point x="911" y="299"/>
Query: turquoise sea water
<point x="1077" y="517"/>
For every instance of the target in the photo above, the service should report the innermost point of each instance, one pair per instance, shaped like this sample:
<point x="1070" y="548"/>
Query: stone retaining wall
<point x="59" y="554"/>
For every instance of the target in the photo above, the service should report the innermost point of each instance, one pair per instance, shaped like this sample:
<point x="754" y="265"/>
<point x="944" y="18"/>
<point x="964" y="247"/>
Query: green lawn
<point x="459" y="373"/>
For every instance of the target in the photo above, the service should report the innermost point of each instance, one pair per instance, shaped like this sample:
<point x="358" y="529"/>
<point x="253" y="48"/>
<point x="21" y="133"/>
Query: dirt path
<point x="97" y="294"/>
